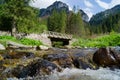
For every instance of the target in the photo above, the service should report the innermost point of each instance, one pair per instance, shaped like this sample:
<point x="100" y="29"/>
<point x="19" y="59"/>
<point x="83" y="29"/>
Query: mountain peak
<point x="58" y="2"/>
<point x="59" y="6"/>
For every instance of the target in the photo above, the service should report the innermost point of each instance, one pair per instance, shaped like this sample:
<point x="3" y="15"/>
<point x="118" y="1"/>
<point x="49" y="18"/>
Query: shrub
<point x="27" y="41"/>
<point x="7" y="38"/>
<point x="108" y="40"/>
<point x="57" y="44"/>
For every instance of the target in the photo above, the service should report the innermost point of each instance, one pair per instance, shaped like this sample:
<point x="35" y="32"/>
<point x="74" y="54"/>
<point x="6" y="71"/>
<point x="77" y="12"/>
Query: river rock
<point x="82" y="58"/>
<point x="82" y="61"/>
<point x="2" y="47"/>
<point x="1" y="57"/>
<point x="42" y="47"/>
<point x="18" y="54"/>
<point x="37" y="67"/>
<point x="61" y="59"/>
<point x="116" y="49"/>
<point x="106" y="57"/>
<point x="17" y="46"/>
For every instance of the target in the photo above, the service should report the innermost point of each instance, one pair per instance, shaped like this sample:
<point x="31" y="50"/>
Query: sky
<point x="91" y="7"/>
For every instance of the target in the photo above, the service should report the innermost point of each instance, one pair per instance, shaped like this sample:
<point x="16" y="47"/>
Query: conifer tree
<point x="63" y="21"/>
<point x="75" y="24"/>
<point x="57" y="21"/>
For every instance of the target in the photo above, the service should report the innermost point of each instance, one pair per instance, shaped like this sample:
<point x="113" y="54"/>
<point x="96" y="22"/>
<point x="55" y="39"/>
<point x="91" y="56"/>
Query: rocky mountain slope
<point x="59" y="6"/>
<point x="99" y="17"/>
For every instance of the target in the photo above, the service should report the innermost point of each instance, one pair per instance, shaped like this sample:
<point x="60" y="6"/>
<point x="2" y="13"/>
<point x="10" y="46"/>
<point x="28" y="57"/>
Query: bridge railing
<point x="57" y="35"/>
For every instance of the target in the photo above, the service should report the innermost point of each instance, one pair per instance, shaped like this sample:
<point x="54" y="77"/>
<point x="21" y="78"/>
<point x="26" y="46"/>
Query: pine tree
<point x="53" y="21"/>
<point x="70" y="23"/>
<point x="75" y="24"/>
<point x="63" y="21"/>
<point x="80" y="25"/>
<point x="57" y="21"/>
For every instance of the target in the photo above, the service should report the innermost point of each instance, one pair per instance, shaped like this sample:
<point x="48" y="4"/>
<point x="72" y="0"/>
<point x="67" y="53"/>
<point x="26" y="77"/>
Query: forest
<point x="21" y="17"/>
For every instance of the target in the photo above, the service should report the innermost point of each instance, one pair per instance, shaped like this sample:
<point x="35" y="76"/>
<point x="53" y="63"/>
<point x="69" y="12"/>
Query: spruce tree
<point x="63" y="21"/>
<point x="75" y="24"/>
<point x="57" y="21"/>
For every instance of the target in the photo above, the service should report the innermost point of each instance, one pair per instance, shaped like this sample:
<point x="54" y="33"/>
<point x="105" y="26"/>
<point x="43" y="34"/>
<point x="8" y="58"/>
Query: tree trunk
<point x="13" y="30"/>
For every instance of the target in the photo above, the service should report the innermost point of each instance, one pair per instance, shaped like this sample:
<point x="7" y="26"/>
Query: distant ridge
<point x="99" y="17"/>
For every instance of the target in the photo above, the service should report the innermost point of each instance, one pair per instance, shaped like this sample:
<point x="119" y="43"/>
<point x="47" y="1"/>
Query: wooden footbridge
<point x="51" y="34"/>
<point x="55" y="36"/>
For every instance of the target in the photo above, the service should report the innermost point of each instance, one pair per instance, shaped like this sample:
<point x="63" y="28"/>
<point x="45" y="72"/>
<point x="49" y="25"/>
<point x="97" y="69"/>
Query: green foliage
<point x="63" y="21"/>
<point x="32" y="42"/>
<point x="17" y="14"/>
<point x="25" y="41"/>
<point x="57" y="44"/>
<point x="75" y="24"/>
<point x="108" y="40"/>
<point x="4" y="39"/>
<point x="106" y="24"/>
<point x="57" y="21"/>
<point x="7" y="38"/>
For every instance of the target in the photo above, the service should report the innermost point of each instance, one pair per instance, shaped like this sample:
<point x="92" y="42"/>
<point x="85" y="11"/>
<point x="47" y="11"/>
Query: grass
<point x="32" y="42"/>
<point x="113" y="39"/>
<point x="25" y="41"/>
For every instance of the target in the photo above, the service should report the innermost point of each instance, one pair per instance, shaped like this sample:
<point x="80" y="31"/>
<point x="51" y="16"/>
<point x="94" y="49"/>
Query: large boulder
<point x="37" y="67"/>
<point x="61" y="59"/>
<point x="82" y="58"/>
<point x="106" y="57"/>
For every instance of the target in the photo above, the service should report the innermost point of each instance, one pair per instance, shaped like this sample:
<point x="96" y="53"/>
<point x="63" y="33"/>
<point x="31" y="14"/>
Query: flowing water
<point x="79" y="74"/>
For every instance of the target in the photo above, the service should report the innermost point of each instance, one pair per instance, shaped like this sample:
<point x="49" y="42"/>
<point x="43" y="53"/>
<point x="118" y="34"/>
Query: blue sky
<point x="90" y="7"/>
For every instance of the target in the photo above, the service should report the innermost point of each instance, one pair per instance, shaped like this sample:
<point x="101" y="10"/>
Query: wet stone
<point x="106" y="57"/>
<point x="40" y="66"/>
<point x="61" y="59"/>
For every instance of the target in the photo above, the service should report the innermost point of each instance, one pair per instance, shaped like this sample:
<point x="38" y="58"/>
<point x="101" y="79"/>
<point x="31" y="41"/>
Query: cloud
<point x="88" y="4"/>
<point x="102" y="4"/>
<point x="108" y="5"/>
<point x="45" y="3"/>
<point x="42" y="3"/>
<point x="88" y="11"/>
<point x="114" y="2"/>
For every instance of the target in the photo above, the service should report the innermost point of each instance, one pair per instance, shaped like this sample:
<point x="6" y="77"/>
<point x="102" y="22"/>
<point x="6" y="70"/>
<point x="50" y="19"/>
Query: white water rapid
<point x="79" y="74"/>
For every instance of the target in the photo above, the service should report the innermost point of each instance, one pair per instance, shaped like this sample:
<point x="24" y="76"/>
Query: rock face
<point x="59" y="6"/>
<point x="84" y="16"/>
<point x="106" y="57"/>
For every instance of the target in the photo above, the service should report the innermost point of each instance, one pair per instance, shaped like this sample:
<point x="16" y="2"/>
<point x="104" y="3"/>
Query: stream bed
<point x="61" y="64"/>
